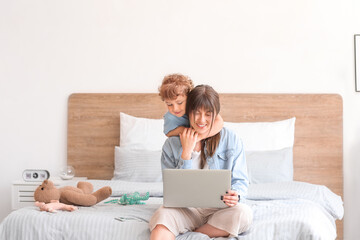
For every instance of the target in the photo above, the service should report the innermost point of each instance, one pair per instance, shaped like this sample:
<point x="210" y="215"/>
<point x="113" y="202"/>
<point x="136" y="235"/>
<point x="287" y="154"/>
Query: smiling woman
<point x="223" y="150"/>
<point x="206" y="104"/>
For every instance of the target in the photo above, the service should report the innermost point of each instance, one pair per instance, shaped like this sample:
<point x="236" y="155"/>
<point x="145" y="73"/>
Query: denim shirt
<point x="229" y="155"/>
<point x="171" y="122"/>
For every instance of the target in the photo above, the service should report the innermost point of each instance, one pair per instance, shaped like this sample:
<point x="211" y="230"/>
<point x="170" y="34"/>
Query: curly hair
<point x="174" y="85"/>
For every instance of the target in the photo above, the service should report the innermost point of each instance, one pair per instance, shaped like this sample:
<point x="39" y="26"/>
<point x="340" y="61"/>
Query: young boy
<point x="173" y="91"/>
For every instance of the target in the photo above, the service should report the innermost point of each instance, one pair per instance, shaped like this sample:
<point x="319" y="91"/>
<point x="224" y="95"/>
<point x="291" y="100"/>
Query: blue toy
<point x="131" y="199"/>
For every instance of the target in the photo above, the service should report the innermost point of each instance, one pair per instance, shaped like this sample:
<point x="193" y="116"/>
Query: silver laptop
<point x="195" y="188"/>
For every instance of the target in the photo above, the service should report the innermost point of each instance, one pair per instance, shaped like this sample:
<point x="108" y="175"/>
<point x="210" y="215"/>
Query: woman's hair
<point x="174" y="85"/>
<point x="206" y="98"/>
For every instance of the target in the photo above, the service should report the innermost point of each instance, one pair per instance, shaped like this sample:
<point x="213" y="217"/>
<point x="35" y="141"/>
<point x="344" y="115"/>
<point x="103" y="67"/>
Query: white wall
<point x="49" y="49"/>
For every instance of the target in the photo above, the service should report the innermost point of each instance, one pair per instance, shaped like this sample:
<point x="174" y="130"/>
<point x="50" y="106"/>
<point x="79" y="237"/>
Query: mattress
<point x="287" y="210"/>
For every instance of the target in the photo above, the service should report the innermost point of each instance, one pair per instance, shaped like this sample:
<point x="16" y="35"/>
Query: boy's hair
<point x="174" y="85"/>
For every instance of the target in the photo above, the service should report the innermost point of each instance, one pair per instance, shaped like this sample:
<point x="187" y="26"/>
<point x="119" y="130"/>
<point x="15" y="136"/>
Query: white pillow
<point x="137" y="165"/>
<point x="270" y="166"/>
<point x="265" y="136"/>
<point x="141" y="133"/>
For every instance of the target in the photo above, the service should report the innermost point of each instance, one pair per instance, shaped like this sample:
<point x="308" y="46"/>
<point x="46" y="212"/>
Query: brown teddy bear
<point x="82" y="195"/>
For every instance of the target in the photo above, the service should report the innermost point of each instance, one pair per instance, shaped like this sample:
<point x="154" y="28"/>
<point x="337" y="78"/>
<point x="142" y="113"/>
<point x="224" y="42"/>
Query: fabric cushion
<point x="265" y="136"/>
<point x="137" y="165"/>
<point x="141" y="133"/>
<point x="270" y="166"/>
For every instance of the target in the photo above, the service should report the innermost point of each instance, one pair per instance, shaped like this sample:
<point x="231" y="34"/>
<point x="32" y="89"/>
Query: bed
<point x="307" y="207"/>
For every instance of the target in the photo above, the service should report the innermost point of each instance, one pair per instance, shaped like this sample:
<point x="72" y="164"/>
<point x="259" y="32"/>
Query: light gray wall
<point x="50" y="49"/>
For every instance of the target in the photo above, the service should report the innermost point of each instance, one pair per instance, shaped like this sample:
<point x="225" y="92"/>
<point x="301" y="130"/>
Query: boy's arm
<point x="216" y="128"/>
<point x="176" y="131"/>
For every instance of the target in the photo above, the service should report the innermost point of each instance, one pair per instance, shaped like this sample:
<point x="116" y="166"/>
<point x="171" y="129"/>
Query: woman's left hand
<point x="231" y="198"/>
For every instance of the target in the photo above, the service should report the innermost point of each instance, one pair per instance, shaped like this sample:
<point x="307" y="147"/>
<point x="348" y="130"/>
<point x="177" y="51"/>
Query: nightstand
<point x="23" y="192"/>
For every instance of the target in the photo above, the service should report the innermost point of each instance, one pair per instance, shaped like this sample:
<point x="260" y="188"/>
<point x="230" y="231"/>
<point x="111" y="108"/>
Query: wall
<point x="50" y="49"/>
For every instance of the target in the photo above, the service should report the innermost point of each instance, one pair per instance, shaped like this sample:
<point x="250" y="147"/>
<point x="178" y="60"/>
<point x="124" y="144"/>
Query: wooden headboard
<point x="94" y="129"/>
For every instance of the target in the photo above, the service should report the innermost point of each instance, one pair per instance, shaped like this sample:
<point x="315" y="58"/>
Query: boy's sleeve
<point x="171" y="122"/>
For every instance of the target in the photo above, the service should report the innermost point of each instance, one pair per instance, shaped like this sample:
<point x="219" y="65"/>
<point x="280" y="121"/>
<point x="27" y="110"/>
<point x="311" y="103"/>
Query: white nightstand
<point x="23" y="192"/>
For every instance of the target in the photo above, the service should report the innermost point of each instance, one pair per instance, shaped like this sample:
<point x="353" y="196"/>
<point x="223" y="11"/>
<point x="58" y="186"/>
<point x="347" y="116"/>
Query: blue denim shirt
<point x="171" y="122"/>
<point x="229" y="155"/>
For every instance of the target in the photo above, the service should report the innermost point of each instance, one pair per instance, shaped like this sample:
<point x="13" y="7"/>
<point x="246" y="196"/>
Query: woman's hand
<point x="231" y="198"/>
<point x="188" y="140"/>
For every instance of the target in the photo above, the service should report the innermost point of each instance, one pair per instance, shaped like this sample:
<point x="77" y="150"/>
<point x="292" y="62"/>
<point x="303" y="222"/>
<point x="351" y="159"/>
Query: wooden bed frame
<point x="94" y="130"/>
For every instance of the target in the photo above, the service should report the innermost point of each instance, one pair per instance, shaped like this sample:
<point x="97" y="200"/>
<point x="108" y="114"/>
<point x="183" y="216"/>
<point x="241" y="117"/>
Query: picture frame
<point x="357" y="61"/>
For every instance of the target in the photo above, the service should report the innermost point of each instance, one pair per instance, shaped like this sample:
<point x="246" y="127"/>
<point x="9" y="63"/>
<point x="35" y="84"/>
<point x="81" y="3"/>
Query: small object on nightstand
<point x="35" y="175"/>
<point x="67" y="173"/>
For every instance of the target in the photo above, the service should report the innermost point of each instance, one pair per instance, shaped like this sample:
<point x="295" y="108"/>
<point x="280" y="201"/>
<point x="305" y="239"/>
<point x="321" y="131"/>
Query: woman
<point x="221" y="151"/>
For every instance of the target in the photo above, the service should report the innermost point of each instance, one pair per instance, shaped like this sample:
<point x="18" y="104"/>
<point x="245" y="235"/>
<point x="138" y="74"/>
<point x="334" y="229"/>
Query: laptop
<point x="195" y="187"/>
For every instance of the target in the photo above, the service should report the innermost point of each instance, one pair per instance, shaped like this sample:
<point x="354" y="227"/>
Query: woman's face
<point x="201" y="121"/>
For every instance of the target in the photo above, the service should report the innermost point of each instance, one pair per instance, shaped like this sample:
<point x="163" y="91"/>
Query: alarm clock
<point x="35" y="175"/>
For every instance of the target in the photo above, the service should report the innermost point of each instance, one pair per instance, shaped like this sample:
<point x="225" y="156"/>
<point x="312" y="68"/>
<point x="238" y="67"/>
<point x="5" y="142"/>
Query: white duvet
<point x="289" y="210"/>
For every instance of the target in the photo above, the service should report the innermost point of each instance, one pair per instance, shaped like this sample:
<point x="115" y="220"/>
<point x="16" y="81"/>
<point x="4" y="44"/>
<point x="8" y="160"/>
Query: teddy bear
<point x="82" y="195"/>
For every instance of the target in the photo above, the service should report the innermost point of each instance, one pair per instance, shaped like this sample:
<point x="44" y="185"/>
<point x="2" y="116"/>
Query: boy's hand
<point x="188" y="140"/>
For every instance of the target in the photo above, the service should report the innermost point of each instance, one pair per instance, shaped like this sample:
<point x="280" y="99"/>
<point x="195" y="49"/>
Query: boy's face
<point x="177" y="106"/>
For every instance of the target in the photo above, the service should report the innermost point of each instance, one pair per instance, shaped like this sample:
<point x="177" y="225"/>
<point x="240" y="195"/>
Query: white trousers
<point x="233" y="220"/>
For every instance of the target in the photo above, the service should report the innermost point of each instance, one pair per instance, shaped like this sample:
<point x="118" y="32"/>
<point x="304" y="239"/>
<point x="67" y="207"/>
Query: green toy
<point x="131" y="199"/>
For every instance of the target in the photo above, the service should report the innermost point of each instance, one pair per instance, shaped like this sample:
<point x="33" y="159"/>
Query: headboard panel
<point x="94" y="129"/>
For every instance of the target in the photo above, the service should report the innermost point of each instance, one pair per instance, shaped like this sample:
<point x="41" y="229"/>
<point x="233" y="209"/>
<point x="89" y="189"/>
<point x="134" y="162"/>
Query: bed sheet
<point x="291" y="210"/>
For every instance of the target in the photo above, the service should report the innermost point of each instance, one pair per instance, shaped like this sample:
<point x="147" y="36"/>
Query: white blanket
<point x="291" y="210"/>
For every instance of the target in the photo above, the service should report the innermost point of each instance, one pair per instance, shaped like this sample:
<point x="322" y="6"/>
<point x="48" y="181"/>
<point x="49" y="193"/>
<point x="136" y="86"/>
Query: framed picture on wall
<point x="357" y="62"/>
